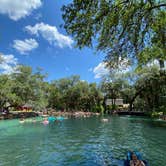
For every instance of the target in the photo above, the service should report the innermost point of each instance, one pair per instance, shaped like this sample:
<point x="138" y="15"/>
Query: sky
<point x="30" y="34"/>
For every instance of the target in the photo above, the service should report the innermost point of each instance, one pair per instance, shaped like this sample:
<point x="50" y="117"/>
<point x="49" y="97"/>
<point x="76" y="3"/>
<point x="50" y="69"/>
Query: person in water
<point x="135" y="161"/>
<point x="22" y="120"/>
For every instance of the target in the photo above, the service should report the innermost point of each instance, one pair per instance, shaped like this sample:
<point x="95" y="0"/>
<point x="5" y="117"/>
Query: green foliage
<point x="155" y="114"/>
<point x="98" y="109"/>
<point x="161" y="109"/>
<point x="122" y="29"/>
<point x="114" y="107"/>
<point x="23" y="87"/>
<point x="26" y="88"/>
<point x="132" y="31"/>
<point x="6" y="95"/>
<point x="146" y="91"/>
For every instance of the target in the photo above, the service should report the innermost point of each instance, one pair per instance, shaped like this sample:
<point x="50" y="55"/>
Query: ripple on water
<point x="87" y="142"/>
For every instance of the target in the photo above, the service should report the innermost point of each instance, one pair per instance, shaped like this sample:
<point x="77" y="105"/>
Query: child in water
<point x="135" y="161"/>
<point x="45" y="122"/>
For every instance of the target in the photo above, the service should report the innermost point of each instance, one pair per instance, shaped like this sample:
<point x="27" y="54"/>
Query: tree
<point x="64" y="87"/>
<point x="95" y="98"/>
<point x="150" y="87"/>
<point x="40" y="90"/>
<point x="6" y="96"/>
<point x="157" y="49"/>
<point x="22" y="80"/>
<point x="72" y="94"/>
<point x="121" y="28"/>
<point x="54" y="97"/>
<point x="29" y="88"/>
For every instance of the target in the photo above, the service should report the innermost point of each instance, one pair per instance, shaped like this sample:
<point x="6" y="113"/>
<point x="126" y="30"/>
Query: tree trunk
<point x="133" y="99"/>
<point x="161" y="63"/>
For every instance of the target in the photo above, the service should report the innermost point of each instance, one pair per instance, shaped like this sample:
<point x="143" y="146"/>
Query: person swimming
<point x="21" y="120"/>
<point x="104" y="120"/>
<point x="45" y="121"/>
<point x="135" y="161"/>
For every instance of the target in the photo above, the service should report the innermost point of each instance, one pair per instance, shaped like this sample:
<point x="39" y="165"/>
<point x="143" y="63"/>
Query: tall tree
<point x="121" y="28"/>
<point x="7" y="98"/>
<point x="29" y="88"/>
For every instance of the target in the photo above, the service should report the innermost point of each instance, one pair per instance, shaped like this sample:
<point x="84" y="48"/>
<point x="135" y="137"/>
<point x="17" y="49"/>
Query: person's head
<point x="134" y="157"/>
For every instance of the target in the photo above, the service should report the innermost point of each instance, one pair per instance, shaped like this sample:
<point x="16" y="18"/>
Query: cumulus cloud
<point x="24" y="47"/>
<point x="100" y="70"/>
<point x="7" y="63"/>
<point x="51" y="34"/>
<point x="17" y="9"/>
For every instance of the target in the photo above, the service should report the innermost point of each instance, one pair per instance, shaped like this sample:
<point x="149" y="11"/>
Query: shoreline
<point x="18" y="115"/>
<point x="71" y="114"/>
<point x="32" y="114"/>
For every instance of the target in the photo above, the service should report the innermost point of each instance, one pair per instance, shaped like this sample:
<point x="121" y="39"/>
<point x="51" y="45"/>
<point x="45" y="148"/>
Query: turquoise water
<point x="87" y="142"/>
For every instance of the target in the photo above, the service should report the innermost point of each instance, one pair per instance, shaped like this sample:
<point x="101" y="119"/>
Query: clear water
<point x="87" y="142"/>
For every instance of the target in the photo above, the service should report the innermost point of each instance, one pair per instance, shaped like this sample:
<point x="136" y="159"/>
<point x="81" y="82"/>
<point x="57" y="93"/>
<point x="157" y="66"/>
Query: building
<point x="118" y="102"/>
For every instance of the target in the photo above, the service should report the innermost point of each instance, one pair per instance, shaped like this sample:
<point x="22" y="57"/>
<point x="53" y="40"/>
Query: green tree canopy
<point x="121" y="28"/>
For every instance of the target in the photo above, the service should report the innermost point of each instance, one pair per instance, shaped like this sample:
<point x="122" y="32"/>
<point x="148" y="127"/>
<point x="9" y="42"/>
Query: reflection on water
<point x="87" y="142"/>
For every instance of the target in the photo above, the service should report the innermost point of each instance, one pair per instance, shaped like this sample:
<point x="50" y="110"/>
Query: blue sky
<point x="30" y="34"/>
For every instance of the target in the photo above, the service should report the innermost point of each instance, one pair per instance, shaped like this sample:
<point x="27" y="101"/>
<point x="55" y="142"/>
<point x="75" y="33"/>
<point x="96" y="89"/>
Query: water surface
<point x="84" y="142"/>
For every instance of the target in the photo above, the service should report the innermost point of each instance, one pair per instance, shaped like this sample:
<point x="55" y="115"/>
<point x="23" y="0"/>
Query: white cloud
<point x="7" y="63"/>
<point x="25" y="46"/>
<point x="17" y="9"/>
<point x="100" y="70"/>
<point x="155" y="63"/>
<point x="51" y="34"/>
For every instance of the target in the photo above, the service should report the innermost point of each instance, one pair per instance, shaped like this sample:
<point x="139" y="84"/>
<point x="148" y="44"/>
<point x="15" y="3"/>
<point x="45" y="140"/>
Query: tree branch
<point x="157" y="6"/>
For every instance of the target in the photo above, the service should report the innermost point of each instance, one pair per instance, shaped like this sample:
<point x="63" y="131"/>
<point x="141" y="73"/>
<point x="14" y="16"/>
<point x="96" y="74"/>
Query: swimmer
<point x="104" y="120"/>
<point x="22" y="120"/>
<point x="45" y="122"/>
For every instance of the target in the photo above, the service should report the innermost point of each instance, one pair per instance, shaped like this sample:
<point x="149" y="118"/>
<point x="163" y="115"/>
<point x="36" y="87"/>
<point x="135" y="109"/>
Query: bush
<point x="98" y="108"/>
